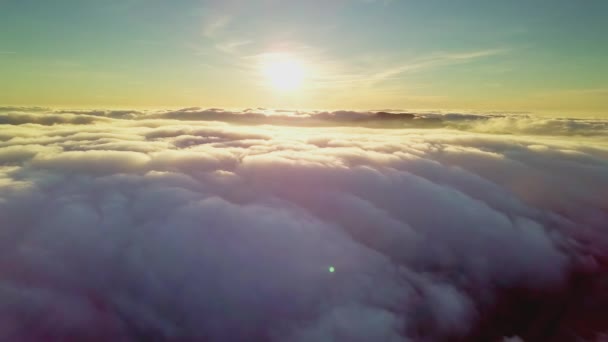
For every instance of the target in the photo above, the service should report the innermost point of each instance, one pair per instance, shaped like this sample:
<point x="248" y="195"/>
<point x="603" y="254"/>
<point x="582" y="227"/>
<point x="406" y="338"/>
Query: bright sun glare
<point x="283" y="72"/>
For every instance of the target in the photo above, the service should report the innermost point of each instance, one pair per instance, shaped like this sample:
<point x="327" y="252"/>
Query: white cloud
<point x="217" y="225"/>
<point x="213" y="25"/>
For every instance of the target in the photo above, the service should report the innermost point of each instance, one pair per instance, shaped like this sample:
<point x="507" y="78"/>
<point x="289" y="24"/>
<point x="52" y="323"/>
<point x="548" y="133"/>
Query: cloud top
<point x="219" y="225"/>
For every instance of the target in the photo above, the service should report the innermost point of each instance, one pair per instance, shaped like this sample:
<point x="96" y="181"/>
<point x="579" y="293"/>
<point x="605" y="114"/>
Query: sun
<point x="283" y="72"/>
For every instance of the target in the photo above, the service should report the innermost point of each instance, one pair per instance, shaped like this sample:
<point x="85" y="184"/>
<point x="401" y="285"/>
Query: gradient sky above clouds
<point x="546" y="56"/>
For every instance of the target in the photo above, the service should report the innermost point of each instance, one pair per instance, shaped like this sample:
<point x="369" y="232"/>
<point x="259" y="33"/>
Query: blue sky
<point x="443" y="55"/>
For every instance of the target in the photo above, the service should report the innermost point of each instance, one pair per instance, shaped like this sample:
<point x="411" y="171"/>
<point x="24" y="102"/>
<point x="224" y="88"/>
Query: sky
<point x="538" y="56"/>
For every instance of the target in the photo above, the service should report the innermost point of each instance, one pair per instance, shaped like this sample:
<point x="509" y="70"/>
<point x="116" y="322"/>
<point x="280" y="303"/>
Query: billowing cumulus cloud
<point x="268" y="225"/>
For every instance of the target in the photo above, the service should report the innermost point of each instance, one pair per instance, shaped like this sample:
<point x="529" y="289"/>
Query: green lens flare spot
<point x="332" y="269"/>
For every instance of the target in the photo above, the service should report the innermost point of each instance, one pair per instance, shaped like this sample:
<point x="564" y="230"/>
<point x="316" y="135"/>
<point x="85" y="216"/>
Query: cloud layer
<point x="218" y="225"/>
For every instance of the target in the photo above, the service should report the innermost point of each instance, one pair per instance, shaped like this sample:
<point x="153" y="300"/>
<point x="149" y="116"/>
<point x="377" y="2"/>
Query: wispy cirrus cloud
<point x="331" y="74"/>
<point x="433" y="61"/>
<point x="214" y="24"/>
<point x="233" y="46"/>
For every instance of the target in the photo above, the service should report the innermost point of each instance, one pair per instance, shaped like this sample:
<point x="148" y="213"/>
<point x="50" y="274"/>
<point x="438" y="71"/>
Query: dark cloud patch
<point x="212" y="114"/>
<point x="16" y="118"/>
<point x="115" y="114"/>
<point x="494" y="123"/>
<point x="196" y="225"/>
